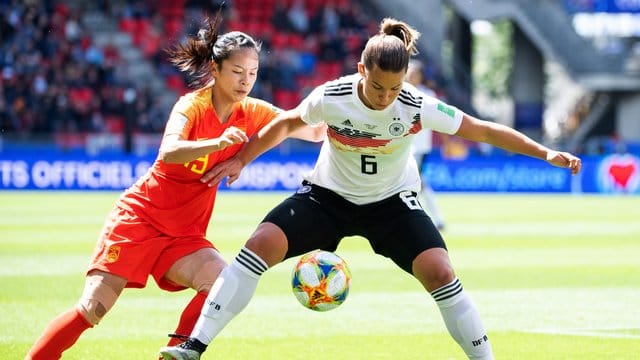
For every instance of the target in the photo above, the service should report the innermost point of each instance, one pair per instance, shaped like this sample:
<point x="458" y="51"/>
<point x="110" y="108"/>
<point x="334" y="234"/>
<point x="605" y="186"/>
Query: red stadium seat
<point x="127" y="24"/>
<point x="114" y="124"/>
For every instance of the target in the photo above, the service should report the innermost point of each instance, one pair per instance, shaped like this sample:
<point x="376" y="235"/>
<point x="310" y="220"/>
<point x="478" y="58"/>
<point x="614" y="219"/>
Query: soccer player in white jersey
<point x="364" y="183"/>
<point x="422" y="146"/>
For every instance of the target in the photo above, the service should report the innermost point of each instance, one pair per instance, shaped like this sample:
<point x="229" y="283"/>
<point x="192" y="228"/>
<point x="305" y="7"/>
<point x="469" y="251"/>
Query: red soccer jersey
<point x="171" y="196"/>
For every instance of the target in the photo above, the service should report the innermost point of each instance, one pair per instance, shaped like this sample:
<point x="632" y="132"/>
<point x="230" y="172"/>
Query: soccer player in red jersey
<point x="158" y="226"/>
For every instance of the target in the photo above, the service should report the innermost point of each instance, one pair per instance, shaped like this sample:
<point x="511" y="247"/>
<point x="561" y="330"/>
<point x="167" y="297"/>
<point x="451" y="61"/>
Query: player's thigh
<point x="306" y="224"/>
<point x="403" y="234"/>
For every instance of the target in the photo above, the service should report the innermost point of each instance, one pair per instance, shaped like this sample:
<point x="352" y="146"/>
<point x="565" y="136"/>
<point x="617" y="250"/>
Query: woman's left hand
<point x="231" y="168"/>
<point x="565" y="160"/>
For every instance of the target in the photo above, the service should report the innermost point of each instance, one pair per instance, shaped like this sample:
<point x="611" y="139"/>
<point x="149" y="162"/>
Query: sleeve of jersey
<point x="311" y="107"/>
<point x="441" y="117"/>
<point x="263" y="113"/>
<point x="188" y="107"/>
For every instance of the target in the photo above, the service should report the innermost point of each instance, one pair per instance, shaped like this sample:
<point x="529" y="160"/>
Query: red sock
<point x="61" y="333"/>
<point x="189" y="317"/>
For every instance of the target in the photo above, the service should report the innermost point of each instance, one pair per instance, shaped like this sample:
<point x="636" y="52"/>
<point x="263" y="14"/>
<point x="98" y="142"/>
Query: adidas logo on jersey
<point x="347" y="123"/>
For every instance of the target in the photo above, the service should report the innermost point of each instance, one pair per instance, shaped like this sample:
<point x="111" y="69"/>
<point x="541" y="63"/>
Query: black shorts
<point x="317" y="218"/>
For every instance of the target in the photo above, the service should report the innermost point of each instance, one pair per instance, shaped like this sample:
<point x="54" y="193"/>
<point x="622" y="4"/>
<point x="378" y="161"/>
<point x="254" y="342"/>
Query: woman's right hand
<point x="232" y="136"/>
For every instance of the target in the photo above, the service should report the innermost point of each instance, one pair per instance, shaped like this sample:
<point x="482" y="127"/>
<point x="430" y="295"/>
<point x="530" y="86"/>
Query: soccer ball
<point x="321" y="280"/>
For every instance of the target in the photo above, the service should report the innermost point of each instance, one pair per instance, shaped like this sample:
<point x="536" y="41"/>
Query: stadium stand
<point x="73" y="67"/>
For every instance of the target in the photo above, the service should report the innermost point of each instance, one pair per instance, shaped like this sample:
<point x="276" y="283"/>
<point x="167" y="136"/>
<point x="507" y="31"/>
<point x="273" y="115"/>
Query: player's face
<point x="237" y="75"/>
<point x="378" y="89"/>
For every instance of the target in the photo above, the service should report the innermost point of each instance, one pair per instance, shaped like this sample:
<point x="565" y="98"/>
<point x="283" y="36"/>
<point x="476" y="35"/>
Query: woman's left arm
<point x="512" y="140"/>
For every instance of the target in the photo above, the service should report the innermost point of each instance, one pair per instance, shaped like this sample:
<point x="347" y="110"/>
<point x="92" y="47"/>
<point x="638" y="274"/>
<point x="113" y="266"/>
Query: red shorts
<point x="130" y="247"/>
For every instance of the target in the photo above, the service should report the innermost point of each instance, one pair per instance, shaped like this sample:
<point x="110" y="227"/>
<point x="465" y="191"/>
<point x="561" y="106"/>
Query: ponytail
<point x="194" y="57"/>
<point x="197" y="57"/>
<point x="392" y="47"/>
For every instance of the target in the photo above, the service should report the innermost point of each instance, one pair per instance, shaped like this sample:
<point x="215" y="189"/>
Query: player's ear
<point x="215" y="68"/>
<point x="361" y="68"/>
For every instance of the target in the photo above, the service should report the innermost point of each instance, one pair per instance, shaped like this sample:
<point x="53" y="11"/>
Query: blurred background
<point x="85" y="87"/>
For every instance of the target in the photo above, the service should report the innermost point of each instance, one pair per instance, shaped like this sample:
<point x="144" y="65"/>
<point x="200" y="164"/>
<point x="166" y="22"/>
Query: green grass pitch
<point x="553" y="276"/>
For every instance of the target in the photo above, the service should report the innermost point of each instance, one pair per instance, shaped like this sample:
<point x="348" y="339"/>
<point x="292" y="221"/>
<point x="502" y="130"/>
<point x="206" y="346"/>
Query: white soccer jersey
<point x="367" y="154"/>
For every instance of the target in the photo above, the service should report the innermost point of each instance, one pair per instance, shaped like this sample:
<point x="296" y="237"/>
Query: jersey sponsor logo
<point x="396" y="128"/>
<point x="113" y="253"/>
<point x="447" y="110"/>
<point x="304" y="189"/>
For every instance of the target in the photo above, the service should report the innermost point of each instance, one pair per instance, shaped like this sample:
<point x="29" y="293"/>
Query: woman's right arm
<point x="174" y="149"/>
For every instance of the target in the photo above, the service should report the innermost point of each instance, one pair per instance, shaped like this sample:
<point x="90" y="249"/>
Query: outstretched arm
<point x="512" y="140"/>
<point x="283" y="126"/>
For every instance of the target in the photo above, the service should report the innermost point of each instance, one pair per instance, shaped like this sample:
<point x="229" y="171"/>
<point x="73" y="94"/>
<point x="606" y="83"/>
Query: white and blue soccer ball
<point x="321" y="280"/>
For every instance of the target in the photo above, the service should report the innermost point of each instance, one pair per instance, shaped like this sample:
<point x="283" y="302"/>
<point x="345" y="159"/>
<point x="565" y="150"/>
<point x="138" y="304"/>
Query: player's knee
<point x="436" y="279"/>
<point x="96" y="301"/>
<point x="441" y="276"/>
<point x="92" y="310"/>
<point x="204" y="288"/>
<point x="433" y="269"/>
<point x="269" y="243"/>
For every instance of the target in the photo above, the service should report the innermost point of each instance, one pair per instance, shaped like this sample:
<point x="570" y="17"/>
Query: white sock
<point x="462" y="320"/>
<point x="229" y="295"/>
